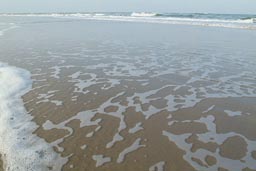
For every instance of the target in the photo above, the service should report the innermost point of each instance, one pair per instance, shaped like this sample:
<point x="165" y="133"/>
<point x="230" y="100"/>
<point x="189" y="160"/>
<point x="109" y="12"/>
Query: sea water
<point x="242" y="21"/>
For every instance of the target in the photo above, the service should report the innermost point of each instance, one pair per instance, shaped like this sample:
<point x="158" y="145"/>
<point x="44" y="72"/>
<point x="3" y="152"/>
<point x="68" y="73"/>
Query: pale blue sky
<point x="210" y="6"/>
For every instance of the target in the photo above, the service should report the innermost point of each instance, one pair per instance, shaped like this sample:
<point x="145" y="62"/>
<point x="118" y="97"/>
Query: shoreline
<point x="26" y="158"/>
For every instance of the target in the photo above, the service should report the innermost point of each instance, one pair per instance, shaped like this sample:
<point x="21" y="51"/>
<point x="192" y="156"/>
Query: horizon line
<point x="73" y="12"/>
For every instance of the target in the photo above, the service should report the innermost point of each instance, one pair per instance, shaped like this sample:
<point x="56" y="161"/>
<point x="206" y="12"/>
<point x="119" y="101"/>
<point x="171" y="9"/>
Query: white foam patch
<point x="57" y="102"/>
<point x="100" y="160"/>
<point x="233" y="113"/>
<point x="136" y="128"/>
<point x="135" y="146"/>
<point x="83" y="147"/>
<point x="21" y="149"/>
<point x="158" y="166"/>
<point x="117" y="137"/>
<point x="209" y="109"/>
<point x="90" y="134"/>
<point x="56" y="72"/>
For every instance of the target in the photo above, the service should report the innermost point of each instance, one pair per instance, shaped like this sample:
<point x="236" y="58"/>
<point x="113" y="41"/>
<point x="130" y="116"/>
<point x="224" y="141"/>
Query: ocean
<point x="242" y="21"/>
<point x="127" y="91"/>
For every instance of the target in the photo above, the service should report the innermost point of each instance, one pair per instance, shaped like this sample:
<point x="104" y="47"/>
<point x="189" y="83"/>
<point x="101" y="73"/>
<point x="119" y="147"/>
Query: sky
<point x="187" y="6"/>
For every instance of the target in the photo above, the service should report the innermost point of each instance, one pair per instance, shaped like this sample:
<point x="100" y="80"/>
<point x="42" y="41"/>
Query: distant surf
<point x="241" y="21"/>
<point x="20" y="149"/>
<point x="143" y="14"/>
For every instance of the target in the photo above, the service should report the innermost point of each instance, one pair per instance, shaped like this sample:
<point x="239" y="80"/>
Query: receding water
<point x="116" y="95"/>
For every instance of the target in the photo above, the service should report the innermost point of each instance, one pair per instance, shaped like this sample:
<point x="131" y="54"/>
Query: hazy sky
<point x="210" y="6"/>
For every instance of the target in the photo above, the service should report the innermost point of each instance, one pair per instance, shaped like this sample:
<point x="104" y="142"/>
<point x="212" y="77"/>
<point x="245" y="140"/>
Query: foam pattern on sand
<point x="181" y="85"/>
<point x="20" y="148"/>
<point x="106" y="101"/>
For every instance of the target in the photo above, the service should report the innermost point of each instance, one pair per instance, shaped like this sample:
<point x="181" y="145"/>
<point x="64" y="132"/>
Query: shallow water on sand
<point x="135" y="96"/>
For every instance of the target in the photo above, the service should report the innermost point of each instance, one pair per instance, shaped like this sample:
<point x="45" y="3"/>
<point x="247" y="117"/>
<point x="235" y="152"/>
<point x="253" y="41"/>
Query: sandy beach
<point x="113" y="95"/>
<point x="1" y="164"/>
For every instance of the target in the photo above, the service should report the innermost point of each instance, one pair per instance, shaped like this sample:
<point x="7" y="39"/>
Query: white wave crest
<point x="143" y="14"/>
<point x="99" y="14"/>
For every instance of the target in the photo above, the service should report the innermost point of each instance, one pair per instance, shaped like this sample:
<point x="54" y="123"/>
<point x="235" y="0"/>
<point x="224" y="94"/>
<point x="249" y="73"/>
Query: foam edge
<point x="20" y="148"/>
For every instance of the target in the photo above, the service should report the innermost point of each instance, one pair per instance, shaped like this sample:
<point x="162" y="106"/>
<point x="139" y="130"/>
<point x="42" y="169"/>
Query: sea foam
<point x="20" y="148"/>
<point x="9" y="27"/>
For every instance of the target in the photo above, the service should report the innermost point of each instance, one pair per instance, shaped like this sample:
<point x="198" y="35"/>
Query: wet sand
<point x="113" y="102"/>
<point x="1" y="163"/>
